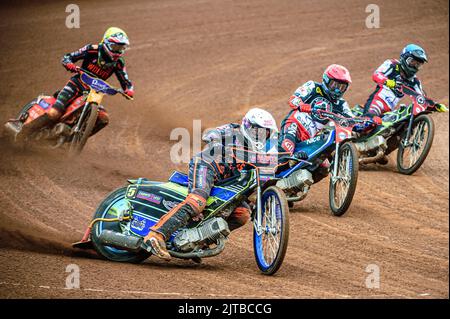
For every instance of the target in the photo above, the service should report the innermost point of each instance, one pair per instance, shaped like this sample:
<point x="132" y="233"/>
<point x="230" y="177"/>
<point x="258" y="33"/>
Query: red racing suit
<point x="300" y="125"/>
<point x="75" y="87"/>
<point x="385" y="99"/>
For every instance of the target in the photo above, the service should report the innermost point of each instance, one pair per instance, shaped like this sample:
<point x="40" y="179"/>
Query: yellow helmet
<point x="113" y="45"/>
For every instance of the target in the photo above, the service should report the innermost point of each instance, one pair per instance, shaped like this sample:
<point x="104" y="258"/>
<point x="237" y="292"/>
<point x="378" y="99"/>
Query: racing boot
<point x="155" y="241"/>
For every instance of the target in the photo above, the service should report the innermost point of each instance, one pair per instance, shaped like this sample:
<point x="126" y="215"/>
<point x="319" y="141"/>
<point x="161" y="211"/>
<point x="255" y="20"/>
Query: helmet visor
<point x="414" y="63"/>
<point x="259" y="134"/>
<point x="117" y="47"/>
<point x="338" y="87"/>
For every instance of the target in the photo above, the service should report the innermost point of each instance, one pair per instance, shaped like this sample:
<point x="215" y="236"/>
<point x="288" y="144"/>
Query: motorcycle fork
<point x="335" y="164"/>
<point x="81" y="119"/>
<point x="257" y="223"/>
<point x="93" y="97"/>
<point x="409" y="130"/>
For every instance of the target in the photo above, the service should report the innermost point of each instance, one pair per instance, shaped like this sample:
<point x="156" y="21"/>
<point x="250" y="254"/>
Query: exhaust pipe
<point x="119" y="240"/>
<point x="369" y="160"/>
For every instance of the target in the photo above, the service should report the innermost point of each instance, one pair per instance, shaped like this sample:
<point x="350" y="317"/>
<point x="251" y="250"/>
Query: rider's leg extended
<point x="201" y="177"/>
<point x="65" y="97"/>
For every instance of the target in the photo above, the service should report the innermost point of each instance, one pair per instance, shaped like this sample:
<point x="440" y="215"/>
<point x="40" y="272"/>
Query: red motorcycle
<point x="75" y="126"/>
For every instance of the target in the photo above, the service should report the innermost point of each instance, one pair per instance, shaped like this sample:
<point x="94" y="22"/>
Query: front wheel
<point x="271" y="239"/>
<point x="111" y="206"/>
<point x="412" y="153"/>
<point x="80" y="138"/>
<point x="343" y="184"/>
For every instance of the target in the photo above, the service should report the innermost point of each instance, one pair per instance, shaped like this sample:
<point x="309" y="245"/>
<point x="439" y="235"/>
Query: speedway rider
<point x="102" y="60"/>
<point x="303" y="123"/>
<point x="213" y="164"/>
<point x="390" y="78"/>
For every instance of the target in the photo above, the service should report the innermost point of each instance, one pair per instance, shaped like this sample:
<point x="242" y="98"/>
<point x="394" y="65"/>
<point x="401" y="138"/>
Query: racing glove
<point x="395" y="85"/>
<point x="72" y="67"/>
<point x="305" y="108"/>
<point x="301" y="155"/>
<point x="390" y="83"/>
<point x="440" y="107"/>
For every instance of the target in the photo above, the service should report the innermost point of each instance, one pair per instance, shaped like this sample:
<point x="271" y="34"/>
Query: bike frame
<point x="98" y="89"/>
<point x="264" y="172"/>
<point x="343" y="128"/>
<point x="420" y="105"/>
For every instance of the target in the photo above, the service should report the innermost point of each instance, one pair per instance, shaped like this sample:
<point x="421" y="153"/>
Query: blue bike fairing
<point x="179" y="178"/>
<point x="44" y="104"/>
<point x="97" y="84"/>
<point x="223" y="194"/>
<point x="313" y="147"/>
<point x="183" y="179"/>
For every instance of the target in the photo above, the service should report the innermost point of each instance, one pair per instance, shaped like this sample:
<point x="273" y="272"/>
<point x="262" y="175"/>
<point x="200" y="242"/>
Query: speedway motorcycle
<point x="75" y="125"/>
<point x="333" y="143"/>
<point x="125" y="216"/>
<point x="409" y="128"/>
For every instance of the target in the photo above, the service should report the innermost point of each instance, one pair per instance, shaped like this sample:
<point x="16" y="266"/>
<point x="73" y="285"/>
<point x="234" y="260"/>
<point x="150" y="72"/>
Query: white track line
<point x="149" y="293"/>
<point x="177" y="294"/>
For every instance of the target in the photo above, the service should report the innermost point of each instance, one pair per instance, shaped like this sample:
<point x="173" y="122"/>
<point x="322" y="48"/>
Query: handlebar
<point x="117" y="90"/>
<point x="345" y="121"/>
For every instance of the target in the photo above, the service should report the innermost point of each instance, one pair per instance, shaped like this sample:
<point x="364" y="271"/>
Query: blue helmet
<point x="412" y="58"/>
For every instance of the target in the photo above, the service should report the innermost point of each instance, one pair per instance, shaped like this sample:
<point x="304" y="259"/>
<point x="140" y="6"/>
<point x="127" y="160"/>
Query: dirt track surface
<point x="213" y="60"/>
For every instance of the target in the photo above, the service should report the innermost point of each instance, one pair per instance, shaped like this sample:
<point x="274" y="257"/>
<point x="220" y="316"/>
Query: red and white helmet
<point x="335" y="81"/>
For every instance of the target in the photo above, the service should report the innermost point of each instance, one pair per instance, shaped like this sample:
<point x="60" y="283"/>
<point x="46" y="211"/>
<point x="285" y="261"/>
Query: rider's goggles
<point x="337" y="86"/>
<point x="117" y="47"/>
<point x="414" y="63"/>
<point x="258" y="133"/>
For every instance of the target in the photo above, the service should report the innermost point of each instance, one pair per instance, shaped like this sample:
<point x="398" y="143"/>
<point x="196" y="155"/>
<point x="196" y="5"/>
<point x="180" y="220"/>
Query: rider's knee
<point x="239" y="217"/>
<point x="54" y="113"/>
<point x="197" y="201"/>
<point x="242" y="214"/>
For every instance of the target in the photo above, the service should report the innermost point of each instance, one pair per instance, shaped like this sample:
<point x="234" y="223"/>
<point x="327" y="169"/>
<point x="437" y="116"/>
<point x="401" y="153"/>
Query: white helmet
<point x="258" y="127"/>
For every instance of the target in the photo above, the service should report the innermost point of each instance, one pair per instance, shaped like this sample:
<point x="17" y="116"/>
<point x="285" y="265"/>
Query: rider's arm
<point x="69" y="59"/>
<point x="298" y="101"/>
<point x="418" y="87"/>
<point x="381" y="74"/>
<point x="346" y="111"/>
<point x="218" y="134"/>
<point x="122" y="76"/>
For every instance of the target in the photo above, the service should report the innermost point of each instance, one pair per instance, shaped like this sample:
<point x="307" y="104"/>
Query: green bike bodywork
<point x="392" y="122"/>
<point x="149" y="200"/>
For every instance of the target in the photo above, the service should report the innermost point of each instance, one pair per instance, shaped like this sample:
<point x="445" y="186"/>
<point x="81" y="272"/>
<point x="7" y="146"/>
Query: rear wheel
<point x="411" y="154"/>
<point x="343" y="184"/>
<point x="114" y="203"/>
<point x="80" y="138"/>
<point x="271" y="242"/>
